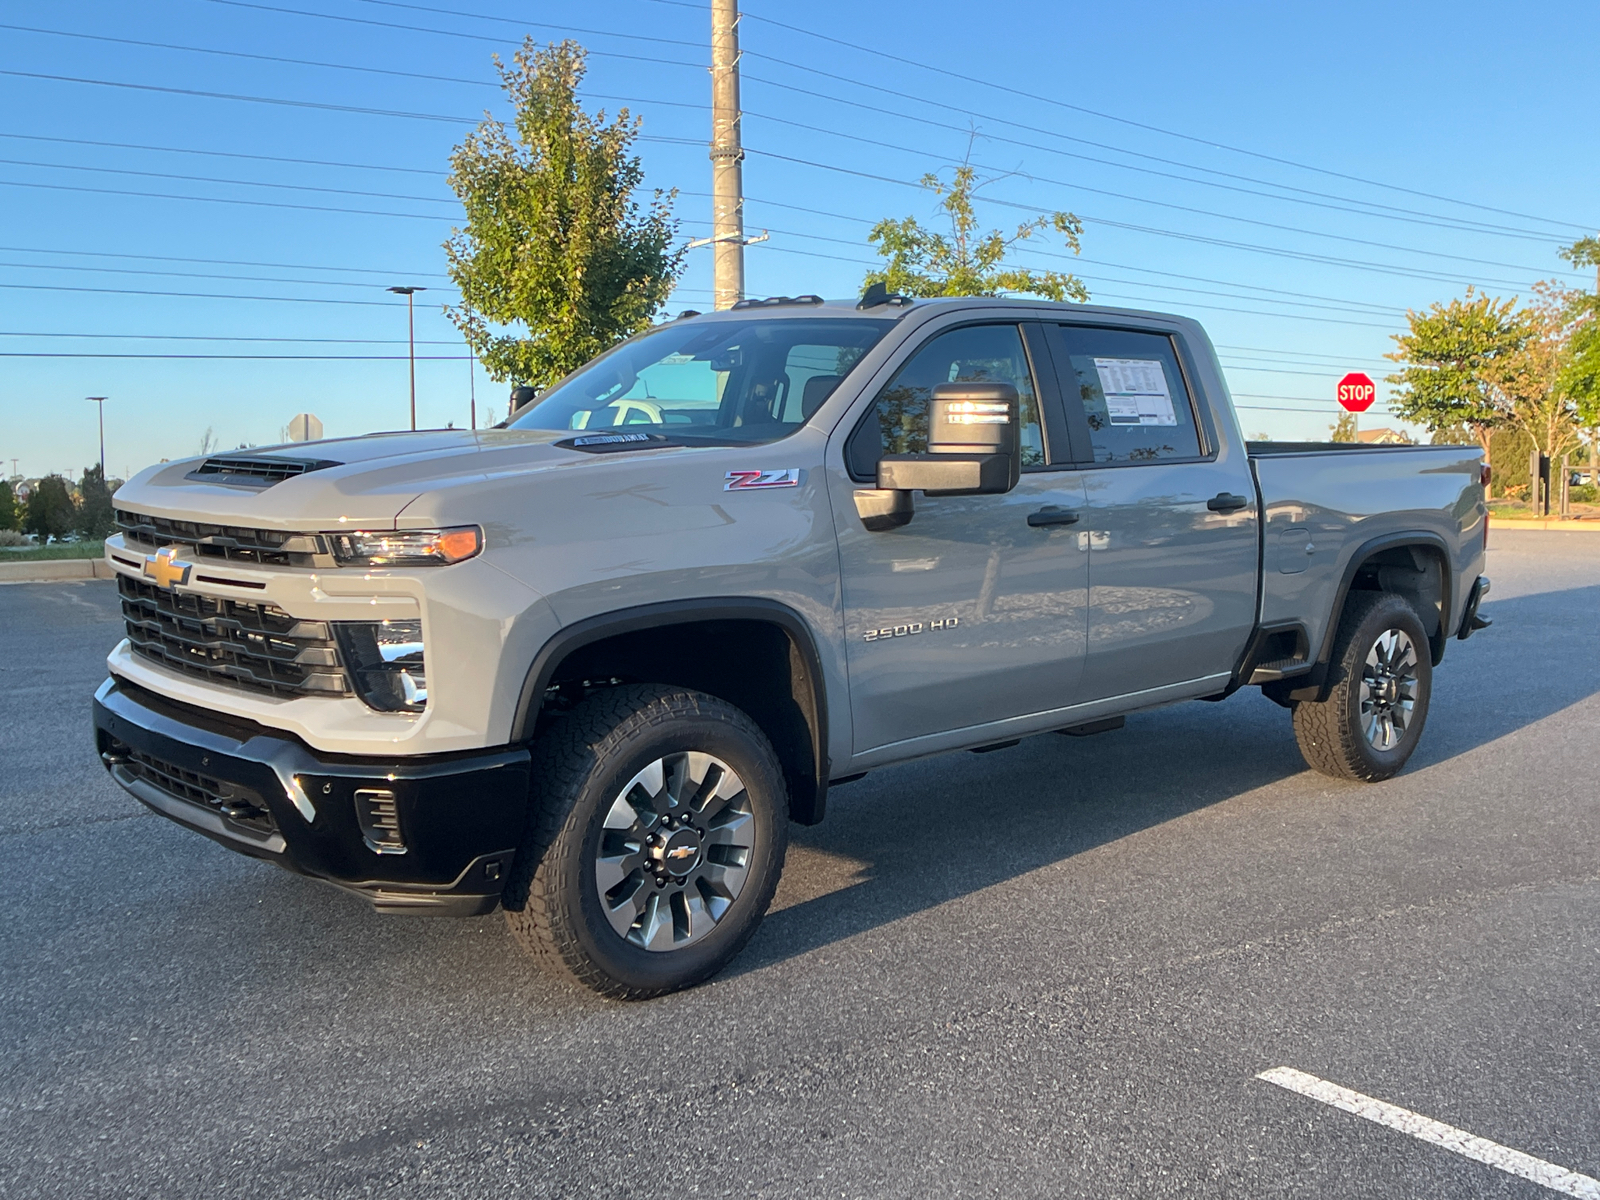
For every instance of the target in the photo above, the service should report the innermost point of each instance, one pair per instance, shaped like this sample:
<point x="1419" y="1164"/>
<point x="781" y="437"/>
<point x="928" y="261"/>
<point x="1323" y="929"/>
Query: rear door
<point x="969" y="614"/>
<point x="1171" y="521"/>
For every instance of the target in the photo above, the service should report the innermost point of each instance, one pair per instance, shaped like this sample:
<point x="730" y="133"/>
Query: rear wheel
<point x="1372" y="719"/>
<point x="655" y="843"/>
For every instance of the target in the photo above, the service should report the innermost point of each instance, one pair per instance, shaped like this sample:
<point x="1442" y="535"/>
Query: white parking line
<point x="1513" y="1162"/>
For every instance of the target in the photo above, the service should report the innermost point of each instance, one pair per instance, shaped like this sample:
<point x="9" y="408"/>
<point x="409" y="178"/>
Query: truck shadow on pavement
<point x="909" y="838"/>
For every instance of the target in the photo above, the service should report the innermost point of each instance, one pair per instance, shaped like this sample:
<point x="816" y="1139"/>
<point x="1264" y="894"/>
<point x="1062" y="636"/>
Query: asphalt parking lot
<point x="1050" y="971"/>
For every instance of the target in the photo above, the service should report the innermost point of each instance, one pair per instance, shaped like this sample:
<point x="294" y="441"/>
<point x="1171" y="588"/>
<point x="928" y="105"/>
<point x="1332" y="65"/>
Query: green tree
<point x="51" y="511"/>
<point x="95" y="516"/>
<point x="1527" y="382"/>
<point x="1580" y="372"/>
<point x="1453" y="359"/>
<point x="8" y="506"/>
<point x="968" y="262"/>
<point x="555" y="240"/>
<point x="1344" y="429"/>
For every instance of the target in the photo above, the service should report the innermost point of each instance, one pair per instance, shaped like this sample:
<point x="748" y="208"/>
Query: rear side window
<point x="1132" y="394"/>
<point x="898" y="420"/>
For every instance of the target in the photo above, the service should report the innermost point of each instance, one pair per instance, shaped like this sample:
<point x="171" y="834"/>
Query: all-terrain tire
<point x="581" y="767"/>
<point x="1334" y="733"/>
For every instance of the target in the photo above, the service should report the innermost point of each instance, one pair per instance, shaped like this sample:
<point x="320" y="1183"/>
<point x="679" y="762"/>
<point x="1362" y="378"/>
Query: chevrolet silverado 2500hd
<point x="589" y="665"/>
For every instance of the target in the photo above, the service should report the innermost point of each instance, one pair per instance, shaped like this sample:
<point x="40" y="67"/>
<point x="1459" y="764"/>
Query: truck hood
<point x="370" y="479"/>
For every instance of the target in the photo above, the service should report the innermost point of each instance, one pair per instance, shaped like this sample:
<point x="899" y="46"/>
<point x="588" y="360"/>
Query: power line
<point x="272" y="58"/>
<point x="220" y="262"/>
<point x="207" y="337"/>
<point x="910" y="150"/>
<point x="521" y="24"/>
<point x="296" y="187"/>
<point x="1384" y="209"/>
<point x="1274" y="293"/>
<point x="1413" y="219"/>
<point x="1210" y="143"/>
<point x="245" y="357"/>
<point x="1273" y="251"/>
<point x="1300" y="299"/>
<point x="474" y="37"/>
<point x="271" y="158"/>
<point x="151" y="87"/>
<point x="360" y="212"/>
<point x="1388" y="210"/>
<point x="344" y="283"/>
<point x="1266" y="224"/>
<point x="1391" y="213"/>
<point x="44" y="287"/>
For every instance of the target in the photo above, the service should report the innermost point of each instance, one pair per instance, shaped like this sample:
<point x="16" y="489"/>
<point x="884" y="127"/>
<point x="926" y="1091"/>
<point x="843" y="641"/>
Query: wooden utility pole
<point x="727" y="157"/>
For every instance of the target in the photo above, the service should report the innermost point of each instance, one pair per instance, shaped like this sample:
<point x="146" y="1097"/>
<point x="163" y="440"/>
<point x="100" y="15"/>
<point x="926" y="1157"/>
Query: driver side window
<point x="898" y="420"/>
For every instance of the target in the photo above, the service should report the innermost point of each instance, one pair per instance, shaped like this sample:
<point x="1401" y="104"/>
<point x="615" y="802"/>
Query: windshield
<point x="725" y="381"/>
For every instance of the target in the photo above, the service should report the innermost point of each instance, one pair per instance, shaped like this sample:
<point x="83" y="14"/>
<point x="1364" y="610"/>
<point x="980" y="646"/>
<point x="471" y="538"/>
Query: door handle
<point x="1226" y="502"/>
<point x="1051" y="515"/>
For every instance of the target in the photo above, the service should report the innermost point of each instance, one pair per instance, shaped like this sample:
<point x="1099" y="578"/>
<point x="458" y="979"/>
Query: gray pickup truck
<point x="587" y="666"/>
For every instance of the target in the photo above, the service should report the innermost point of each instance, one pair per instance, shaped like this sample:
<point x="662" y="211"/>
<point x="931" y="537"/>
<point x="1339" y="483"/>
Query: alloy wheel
<point x="1388" y="689"/>
<point x="674" y="851"/>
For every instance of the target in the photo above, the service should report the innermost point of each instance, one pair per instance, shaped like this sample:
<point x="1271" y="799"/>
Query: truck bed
<point x="1326" y="506"/>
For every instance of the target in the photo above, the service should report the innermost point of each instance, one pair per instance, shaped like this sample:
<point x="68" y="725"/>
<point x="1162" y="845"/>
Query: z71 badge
<point x="741" y="481"/>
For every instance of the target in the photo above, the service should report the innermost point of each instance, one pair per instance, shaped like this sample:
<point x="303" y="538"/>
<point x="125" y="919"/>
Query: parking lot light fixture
<point x="101" y="401"/>
<point x="411" y="339"/>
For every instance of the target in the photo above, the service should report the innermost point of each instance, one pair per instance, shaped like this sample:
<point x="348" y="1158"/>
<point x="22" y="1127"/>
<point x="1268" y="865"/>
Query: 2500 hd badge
<point x="894" y="631"/>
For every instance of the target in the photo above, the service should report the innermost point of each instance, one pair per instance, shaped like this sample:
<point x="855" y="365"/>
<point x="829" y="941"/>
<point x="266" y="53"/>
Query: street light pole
<point x="101" y="401"/>
<point x="411" y="339"/>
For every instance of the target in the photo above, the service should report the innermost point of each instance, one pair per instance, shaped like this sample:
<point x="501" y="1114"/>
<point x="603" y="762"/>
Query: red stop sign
<point x="1357" y="392"/>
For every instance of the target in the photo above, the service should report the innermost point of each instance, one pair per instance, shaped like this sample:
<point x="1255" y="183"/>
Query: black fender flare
<point x="806" y="810"/>
<point x="1313" y="685"/>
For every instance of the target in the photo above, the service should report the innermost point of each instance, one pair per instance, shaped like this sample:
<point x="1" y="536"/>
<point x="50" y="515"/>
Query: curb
<point x="1552" y="524"/>
<point x="55" y="570"/>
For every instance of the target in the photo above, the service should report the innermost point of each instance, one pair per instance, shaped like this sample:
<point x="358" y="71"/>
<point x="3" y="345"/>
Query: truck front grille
<point x="271" y="547"/>
<point x="231" y="642"/>
<point x="237" y="803"/>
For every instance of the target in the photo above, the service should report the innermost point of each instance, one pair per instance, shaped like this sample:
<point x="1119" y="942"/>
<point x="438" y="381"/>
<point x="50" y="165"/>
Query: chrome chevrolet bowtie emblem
<point x="165" y="569"/>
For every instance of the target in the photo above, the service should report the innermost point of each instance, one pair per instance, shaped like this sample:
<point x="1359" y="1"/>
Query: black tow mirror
<point x="974" y="445"/>
<point x="974" y="449"/>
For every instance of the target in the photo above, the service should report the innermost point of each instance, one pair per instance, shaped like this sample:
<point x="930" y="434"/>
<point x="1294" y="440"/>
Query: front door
<point x="969" y="614"/>
<point x="1171" y="521"/>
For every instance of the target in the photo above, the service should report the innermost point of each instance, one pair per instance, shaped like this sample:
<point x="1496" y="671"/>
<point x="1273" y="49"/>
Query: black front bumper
<point x="432" y="834"/>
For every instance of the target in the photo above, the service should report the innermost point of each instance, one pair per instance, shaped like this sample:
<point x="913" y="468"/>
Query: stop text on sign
<point x="1357" y="392"/>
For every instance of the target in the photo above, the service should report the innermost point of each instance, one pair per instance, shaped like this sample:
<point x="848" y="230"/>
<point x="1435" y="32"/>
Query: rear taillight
<point x="1485" y="473"/>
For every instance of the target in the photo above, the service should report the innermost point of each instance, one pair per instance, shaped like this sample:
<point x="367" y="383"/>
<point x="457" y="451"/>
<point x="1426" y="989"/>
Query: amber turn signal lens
<point x="456" y="544"/>
<point x="407" y="548"/>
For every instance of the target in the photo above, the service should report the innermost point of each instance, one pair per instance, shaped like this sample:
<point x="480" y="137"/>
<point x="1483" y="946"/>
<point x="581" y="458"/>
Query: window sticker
<point x="1136" y="391"/>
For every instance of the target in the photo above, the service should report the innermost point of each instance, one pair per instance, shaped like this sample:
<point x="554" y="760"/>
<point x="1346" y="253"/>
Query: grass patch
<point x="59" y="550"/>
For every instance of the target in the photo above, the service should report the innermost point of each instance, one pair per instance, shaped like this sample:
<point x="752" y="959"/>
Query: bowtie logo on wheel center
<point x="680" y="853"/>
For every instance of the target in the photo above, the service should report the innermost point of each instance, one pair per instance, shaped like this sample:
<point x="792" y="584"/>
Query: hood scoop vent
<point x="240" y="470"/>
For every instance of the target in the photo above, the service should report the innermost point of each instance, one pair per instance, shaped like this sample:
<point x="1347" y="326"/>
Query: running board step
<point x="1089" y="728"/>
<point x="1282" y="668"/>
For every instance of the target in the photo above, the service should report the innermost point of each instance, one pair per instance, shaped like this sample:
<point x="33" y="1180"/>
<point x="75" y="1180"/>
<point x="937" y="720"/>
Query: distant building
<point x="1382" y="437"/>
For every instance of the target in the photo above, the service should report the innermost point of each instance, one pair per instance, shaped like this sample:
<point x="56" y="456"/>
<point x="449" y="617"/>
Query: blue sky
<point x="1295" y="176"/>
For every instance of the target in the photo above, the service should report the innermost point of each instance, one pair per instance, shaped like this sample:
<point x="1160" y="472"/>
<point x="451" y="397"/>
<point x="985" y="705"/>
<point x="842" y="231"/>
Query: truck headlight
<point x="386" y="663"/>
<point x="406" y="548"/>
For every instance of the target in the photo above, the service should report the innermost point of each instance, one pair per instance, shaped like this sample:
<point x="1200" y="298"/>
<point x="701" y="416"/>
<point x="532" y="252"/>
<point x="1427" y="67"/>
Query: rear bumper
<point x="1471" y="622"/>
<point x="433" y="834"/>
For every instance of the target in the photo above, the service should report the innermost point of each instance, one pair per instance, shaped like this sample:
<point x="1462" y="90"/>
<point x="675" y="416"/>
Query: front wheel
<point x="655" y="842"/>
<point x="1373" y="717"/>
